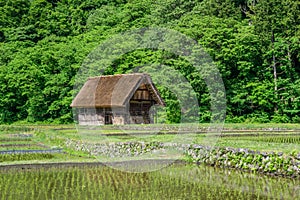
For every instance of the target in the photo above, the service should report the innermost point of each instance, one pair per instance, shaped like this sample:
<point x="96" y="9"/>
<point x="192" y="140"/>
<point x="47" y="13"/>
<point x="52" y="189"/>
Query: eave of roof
<point x="112" y="90"/>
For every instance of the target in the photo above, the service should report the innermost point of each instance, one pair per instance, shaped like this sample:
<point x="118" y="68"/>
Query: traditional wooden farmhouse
<point x="117" y="99"/>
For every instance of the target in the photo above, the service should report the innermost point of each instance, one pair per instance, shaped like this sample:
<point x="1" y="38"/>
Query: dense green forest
<point x="254" y="43"/>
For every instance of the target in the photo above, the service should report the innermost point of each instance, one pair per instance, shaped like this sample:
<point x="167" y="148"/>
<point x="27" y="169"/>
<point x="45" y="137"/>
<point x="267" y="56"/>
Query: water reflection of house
<point x="117" y="99"/>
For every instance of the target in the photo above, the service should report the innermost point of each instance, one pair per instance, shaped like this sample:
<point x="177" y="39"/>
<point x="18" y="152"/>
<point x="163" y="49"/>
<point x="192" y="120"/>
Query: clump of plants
<point x="118" y="149"/>
<point x="245" y="159"/>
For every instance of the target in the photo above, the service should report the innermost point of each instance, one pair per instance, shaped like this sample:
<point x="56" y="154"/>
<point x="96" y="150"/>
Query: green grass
<point x="257" y="139"/>
<point x="260" y="141"/>
<point x="253" y="126"/>
<point x="22" y="146"/>
<point x="57" y="158"/>
<point x="259" y="145"/>
<point x="12" y="138"/>
<point x="25" y="156"/>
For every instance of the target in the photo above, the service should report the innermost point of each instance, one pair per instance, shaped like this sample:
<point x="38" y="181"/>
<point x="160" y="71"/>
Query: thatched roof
<point x="113" y="90"/>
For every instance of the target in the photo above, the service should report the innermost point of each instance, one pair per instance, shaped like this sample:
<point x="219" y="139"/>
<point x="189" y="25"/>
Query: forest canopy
<point x="254" y="44"/>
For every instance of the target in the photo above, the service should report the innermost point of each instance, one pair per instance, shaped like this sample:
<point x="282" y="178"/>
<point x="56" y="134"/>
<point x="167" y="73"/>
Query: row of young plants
<point x="10" y="128"/>
<point x="157" y="128"/>
<point x="18" y="144"/>
<point x="15" y="139"/>
<point x="243" y="159"/>
<point x="174" y="182"/>
<point x="19" y="141"/>
<point x="295" y="139"/>
<point x="25" y="156"/>
<point x="15" y="136"/>
<point x="21" y="146"/>
<point x="203" y="127"/>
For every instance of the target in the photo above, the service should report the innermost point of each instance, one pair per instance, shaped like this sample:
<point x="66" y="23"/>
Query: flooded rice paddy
<point x="177" y="181"/>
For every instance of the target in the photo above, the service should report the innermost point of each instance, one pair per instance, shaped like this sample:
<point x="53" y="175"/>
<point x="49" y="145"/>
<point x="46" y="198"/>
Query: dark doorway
<point x="108" y="119"/>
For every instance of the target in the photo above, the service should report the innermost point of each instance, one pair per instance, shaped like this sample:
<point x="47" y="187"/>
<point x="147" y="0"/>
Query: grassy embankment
<point x="257" y="137"/>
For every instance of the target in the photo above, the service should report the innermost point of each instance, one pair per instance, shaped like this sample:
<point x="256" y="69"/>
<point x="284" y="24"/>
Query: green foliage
<point x="177" y="181"/>
<point x="31" y="156"/>
<point x="255" y="45"/>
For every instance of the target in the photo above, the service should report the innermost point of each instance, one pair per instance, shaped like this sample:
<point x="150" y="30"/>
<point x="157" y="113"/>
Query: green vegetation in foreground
<point x="27" y="138"/>
<point x="174" y="182"/>
<point x="51" y="136"/>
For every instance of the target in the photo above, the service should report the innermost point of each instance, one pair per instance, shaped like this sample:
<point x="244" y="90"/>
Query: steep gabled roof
<point x="113" y="90"/>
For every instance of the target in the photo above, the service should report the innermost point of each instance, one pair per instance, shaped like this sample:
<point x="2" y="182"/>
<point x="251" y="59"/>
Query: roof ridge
<point x="116" y="75"/>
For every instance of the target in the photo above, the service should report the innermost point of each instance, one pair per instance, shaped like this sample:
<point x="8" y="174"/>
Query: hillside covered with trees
<point x="254" y="43"/>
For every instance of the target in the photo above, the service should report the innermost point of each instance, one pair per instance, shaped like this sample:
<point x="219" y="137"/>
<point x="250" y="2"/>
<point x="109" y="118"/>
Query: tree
<point x="276" y="22"/>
